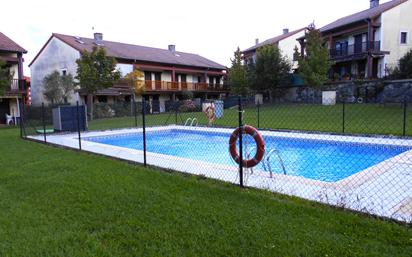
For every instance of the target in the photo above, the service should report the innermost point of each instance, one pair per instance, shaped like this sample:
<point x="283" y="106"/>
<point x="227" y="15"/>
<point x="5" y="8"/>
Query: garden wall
<point x="377" y="91"/>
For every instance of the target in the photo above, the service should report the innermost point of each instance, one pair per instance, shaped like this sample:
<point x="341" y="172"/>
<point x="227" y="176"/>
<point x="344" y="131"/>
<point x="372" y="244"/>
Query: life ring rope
<point x="260" y="146"/>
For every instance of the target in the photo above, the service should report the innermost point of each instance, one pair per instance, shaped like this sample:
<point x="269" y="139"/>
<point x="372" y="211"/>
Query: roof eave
<point x="254" y="48"/>
<point x="80" y="49"/>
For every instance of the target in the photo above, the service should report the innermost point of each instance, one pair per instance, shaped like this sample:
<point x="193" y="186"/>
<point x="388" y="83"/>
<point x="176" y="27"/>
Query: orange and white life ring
<point x="260" y="146"/>
<point x="210" y="113"/>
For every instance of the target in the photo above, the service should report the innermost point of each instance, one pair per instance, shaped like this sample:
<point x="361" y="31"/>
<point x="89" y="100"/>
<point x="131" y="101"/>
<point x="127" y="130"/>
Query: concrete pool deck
<point x="384" y="189"/>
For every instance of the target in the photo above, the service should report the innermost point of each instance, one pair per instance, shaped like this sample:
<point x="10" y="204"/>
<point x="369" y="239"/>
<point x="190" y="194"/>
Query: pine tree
<point x="272" y="69"/>
<point x="238" y="75"/>
<point x="315" y="65"/>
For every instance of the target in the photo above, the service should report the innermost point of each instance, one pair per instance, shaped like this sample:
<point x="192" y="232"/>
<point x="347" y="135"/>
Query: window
<point x="211" y="80"/>
<point x="158" y="76"/>
<point x="147" y="75"/>
<point x="404" y="37"/>
<point x="201" y="79"/>
<point x="183" y="78"/>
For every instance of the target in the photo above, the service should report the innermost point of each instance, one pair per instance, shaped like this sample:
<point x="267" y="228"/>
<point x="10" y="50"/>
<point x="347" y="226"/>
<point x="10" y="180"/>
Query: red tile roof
<point x="273" y="40"/>
<point x="6" y="44"/>
<point x="363" y="15"/>
<point x="140" y="53"/>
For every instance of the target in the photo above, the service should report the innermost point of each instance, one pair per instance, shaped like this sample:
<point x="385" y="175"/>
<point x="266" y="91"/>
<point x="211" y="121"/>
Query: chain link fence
<point x="355" y="155"/>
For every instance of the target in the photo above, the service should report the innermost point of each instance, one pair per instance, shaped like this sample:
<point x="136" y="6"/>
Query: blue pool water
<point x="314" y="159"/>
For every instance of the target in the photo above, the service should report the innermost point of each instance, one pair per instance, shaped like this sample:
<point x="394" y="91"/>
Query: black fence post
<point x="135" y="111"/>
<point x="78" y="125"/>
<point x="21" y="107"/>
<point x="258" y="115"/>
<point x="240" y="143"/>
<point x="176" y="112"/>
<point x="43" y="122"/>
<point x="343" y="117"/>
<point x="144" y="131"/>
<point x="405" y="106"/>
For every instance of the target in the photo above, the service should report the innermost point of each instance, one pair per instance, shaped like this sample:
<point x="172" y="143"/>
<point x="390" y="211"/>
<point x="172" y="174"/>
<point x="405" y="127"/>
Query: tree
<point x="95" y="70"/>
<point x="67" y="82"/>
<point x="251" y="75"/>
<point x="315" y="65"/>
<point x="238" y="75"/>
<point x="404" y="69"/>
<point x="272" y="69"/>
<point x="57" y="88"/>
<point x="5" y="77"/>
<point x="136" y="81"/>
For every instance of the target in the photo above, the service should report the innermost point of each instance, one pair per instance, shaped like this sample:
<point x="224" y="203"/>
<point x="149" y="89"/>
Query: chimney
<point x="256" y="41"/>
<point x="285" y="31"/>
<point x="374" y="3"/>
<point x="172" y="48"/>
<point x="98" y="38"/>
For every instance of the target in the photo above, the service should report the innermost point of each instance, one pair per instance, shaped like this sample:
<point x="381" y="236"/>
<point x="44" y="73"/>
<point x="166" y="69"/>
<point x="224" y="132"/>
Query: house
<point x="286" y="43"/>
<point x="368" y="43"/>
<point x="10" y="99"/>
<point x="168" y="73"/>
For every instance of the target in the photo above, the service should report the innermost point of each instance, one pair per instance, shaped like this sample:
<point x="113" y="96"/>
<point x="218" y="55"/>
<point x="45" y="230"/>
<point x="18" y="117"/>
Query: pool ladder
<point x="266" y="162"/>
<point x="192" y="122"/>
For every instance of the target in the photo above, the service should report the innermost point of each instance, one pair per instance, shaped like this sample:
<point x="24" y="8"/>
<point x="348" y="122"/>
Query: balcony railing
<point x="355" y="50"/>
<point x="152" y="85"/>
<point x="17" y="86"/>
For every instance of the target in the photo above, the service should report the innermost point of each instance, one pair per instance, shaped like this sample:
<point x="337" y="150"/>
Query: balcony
<point x="17" y="87"/>
<point x="355" y="51"/>
<point x="168" y="86"/>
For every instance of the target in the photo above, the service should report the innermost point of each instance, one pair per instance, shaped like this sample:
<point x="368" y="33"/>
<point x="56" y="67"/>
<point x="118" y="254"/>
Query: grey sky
<point x="212" y="28"/>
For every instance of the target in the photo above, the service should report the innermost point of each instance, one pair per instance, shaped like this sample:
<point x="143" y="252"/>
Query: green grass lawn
<point x="358" y="119"/>
<point x="56" y="202"/>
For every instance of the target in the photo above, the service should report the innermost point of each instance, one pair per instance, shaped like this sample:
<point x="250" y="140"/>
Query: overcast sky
<point x="212" y="28"/>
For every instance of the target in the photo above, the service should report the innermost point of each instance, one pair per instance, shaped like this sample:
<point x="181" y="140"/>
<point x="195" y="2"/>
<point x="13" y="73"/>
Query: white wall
<point x="55" y="56"/>
<point x="166" y="76"/>
<point x="162" y="102"/>
<point x="287" y="46"/>
<point x="13" y="108"/>
<point x="395" y="21"/>
<point x="124" y="68"/>
<point x="15" y="70"/>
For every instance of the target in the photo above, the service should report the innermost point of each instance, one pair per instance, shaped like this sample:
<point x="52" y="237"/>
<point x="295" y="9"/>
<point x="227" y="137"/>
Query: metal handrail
<point x="193" y="120"/>
<point x="187" y="121"/>
<point x="271" y="152"/>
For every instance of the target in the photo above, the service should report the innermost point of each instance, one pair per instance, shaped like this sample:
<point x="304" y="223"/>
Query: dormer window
<point x="79" y="40"/>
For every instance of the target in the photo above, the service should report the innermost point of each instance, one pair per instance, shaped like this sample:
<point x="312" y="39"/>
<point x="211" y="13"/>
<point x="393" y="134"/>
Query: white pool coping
<point x="372" y="190"/>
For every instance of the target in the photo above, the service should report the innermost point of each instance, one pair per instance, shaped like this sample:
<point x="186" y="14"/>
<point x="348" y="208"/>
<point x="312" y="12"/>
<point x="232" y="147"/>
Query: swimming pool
<point x="316" y="159"/>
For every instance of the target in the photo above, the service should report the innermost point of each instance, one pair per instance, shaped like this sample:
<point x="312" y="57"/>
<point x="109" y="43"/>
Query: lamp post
<point x="76" y="90"/>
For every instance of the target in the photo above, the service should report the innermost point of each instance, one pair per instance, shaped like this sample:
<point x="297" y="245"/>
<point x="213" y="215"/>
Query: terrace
<point x="354" y="51"/>
<point x="169" y="86"/>
<point x="17" y="87"/>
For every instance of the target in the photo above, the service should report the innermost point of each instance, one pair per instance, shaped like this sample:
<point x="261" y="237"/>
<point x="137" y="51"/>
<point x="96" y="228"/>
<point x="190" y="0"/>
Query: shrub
<point x="188" y="106"/>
